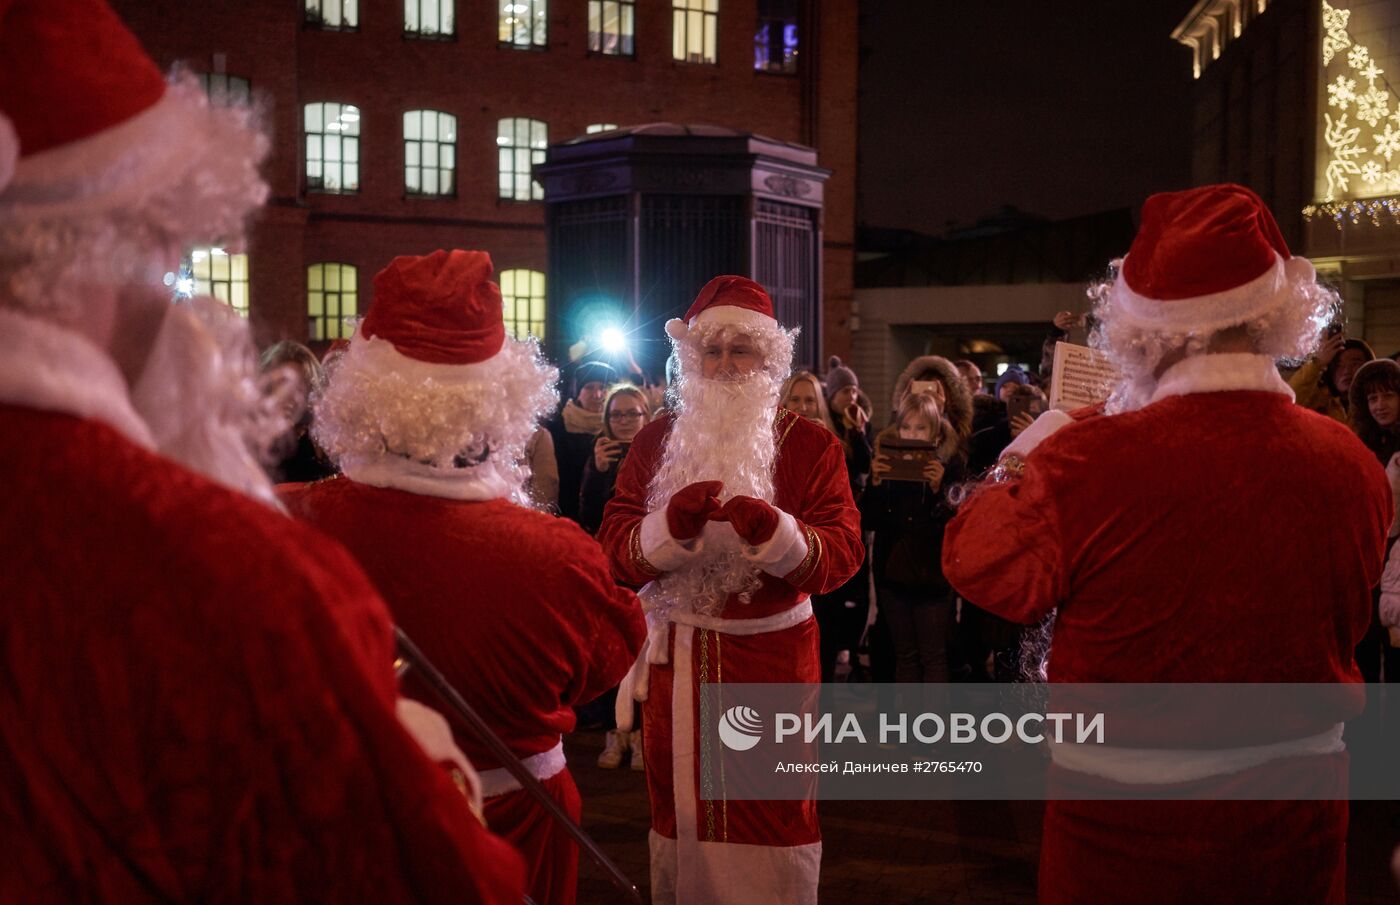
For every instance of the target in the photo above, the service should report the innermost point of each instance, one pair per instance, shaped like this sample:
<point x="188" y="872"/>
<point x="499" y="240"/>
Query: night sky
<point x="1057" y="108"/>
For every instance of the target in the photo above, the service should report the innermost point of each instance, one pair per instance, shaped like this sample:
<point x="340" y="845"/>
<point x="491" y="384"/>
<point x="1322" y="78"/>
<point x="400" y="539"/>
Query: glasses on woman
<point x="626" y="416"/>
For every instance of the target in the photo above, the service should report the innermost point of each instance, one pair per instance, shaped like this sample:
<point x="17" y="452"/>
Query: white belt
<point x="1162" y="766"/>
<point x="634" y="685"/>
<point x="542" y="766"/>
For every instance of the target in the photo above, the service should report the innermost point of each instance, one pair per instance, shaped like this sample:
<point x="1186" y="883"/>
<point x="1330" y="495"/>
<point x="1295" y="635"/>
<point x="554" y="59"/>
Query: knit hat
<point x="1010" y="375"/>
<point x="838" y="377"/>
<point x="592" y="372"/>
<point x="727" y="300"/>
<point x="1205" y="259"/>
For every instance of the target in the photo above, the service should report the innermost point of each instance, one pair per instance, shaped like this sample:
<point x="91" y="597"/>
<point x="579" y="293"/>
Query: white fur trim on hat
<point x="1219" y="310"/>
<point x="719" y="314"/>
<point x="378" y="354"/>
<point x="9" y="151"/>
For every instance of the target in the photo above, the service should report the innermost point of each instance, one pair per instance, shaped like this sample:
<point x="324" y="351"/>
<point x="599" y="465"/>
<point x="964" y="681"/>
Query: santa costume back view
<point x="199" y="701"/>
<point x="428" y="413"/>
<point x="1209" y="530"/>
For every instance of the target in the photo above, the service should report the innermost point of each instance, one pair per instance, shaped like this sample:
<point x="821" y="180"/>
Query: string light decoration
<point x="1362" y="131"/>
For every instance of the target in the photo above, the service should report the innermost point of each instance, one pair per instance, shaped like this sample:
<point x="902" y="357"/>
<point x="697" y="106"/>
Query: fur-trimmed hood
<point x="958" y="407"/>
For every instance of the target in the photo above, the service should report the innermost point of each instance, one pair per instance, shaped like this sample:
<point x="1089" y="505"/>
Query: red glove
<point x="753" y="520"/>
<point x="691" y="507"/>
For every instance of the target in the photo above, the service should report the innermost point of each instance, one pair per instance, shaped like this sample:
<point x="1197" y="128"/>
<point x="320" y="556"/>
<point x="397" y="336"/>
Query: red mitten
<point x="691" y="507"/>
<point x="753" y="520"/>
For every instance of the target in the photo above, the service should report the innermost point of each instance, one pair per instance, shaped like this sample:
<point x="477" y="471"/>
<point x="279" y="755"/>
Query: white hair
<point x="1287" y="332"/>
<point x="380" y="406"/>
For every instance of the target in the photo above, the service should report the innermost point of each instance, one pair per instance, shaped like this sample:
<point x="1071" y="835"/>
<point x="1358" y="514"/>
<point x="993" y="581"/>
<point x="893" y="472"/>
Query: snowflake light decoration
<point x="1363" y="141"/>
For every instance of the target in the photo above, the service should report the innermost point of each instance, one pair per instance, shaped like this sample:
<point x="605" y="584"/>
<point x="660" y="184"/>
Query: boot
<point x="611" y="758"/>
<point x="636" y="744"/>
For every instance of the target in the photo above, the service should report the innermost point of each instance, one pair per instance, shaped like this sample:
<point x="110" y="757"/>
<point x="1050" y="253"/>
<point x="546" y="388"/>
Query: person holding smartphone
<point x="625" y="412"/>
<point x="908" y="518"/>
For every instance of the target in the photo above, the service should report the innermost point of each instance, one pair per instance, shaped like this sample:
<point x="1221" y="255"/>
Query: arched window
<point x="429" y="153"/>
<point x="210" y="270"/>
<point x="520" y="143"/>
<point x="332" y="300"/>
<point x="522" y="293"/>
<point x="332" y="147"/>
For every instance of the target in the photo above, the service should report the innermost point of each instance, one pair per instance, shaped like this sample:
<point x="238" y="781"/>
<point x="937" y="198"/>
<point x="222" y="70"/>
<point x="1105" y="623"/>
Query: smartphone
<point x="1027" y="404"/>
<point x="921" y="386"/>
<point x="622" y="447"/>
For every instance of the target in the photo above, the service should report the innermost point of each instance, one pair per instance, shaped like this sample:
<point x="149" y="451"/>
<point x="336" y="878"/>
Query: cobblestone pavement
<point x="914" y="852"/>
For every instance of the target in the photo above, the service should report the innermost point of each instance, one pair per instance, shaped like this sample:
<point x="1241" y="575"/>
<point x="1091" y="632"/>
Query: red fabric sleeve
<point x="613" y="624"/>
<point x="831" y="522"/>
<point x="1002" y="550"/>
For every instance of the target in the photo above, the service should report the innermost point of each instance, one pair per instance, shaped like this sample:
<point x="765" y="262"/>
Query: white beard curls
<point x="723" y="431"/>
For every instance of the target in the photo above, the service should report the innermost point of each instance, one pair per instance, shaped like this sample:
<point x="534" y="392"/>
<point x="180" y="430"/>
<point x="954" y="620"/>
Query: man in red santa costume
<point x="428" y="413"/>
<point x="1207" y="530"/>
<point x="199" y="701"/>
<point x="732" y="512"/>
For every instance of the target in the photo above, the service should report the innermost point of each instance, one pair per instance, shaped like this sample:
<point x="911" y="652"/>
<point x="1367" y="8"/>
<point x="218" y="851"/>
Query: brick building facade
<point x="361" y="60"/>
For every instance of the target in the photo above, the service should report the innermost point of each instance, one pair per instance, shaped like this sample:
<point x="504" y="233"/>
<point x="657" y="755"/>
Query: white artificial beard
<point x="199" y="394"/>
<point x="723" y="431"/>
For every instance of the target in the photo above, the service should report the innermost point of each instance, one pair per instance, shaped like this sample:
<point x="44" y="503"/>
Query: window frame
<point x="323" y="319"/>
<point x="511" y="300"/>
<point x="532" y="10"/>
<point x="314" y="15"/>
<point x="624" y="6"/>
<point x="682" y="11"/>
<point x="420" y="35"/>
<point x="340" y="135"/>
<point x="439" y="144"/>
<point x="535" y="190"/>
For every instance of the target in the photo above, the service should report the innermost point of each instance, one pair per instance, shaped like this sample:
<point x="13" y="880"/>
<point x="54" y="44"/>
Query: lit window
<point x="225" y="90"/>
<point x="333" y="14"/>
<point x="520" y="143"/>
<point x="600" y="127"/>
<point x="429" y="153"/>
<point x="331" y="301"/>
<point x="214" y="272"/>
<point x="694" y="30"/>
<point x="522" y="293"/>
<point x="428" y="18"/>
<point x="612" y="26"/>
<point x="523" y="23"/>
<point x="775" y="38"/>
<point x="332" y="148"/>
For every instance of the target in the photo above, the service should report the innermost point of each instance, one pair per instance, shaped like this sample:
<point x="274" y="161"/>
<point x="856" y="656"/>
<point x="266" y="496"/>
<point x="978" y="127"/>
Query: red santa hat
<point x="1205" y="259"/>
<point x="732" y="300"/>
<point x="439" y="310"/>
<point x="87" y="123"/>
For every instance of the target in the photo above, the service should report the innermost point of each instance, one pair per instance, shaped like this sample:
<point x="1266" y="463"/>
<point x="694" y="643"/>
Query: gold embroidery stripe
<point x="638" y="560"/>
<point x="706" y="774"/>
<point x="810" y="561"/>
<point x="790" y="425"/>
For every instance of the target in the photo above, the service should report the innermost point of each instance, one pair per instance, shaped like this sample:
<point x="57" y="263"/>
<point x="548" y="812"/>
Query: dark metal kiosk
<point x="639" y="218"/>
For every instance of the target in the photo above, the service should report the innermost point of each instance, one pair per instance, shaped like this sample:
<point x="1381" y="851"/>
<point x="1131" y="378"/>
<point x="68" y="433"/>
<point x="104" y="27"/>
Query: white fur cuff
<point x="782" y="552"/>
<point x="1048" y="423"/>
<point x="662" y="550"/>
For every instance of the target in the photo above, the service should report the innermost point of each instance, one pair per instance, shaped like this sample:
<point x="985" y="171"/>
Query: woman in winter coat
<point x="1374" y="410"/>
<point x="908" y="519"/>
<point x="625" y="412"/>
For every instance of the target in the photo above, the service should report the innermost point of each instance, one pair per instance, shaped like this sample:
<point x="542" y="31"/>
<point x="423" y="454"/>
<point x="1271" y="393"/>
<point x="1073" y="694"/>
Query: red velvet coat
<point x="810" y="484"/>
<point x="1226" y="536"/>
<point x="199" y="699"/>
<point x="518" y="611"/>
